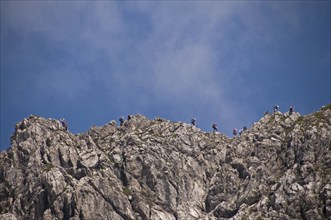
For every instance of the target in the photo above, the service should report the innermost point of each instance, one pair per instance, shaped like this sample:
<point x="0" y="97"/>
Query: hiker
<point x="214" y="128"/>
<point x="64" y="124"/>
<point x="291" y="110"/>
<point x="276" y="107"/>
<point x="121" y="120"/>
<point x="244" y="128"/>
<point x="235" y="132"/>
<point x="129" y="117"/>
<point x="193" y="121"/>
<point x="266" y="112"/>
<point x="240" y="131"/>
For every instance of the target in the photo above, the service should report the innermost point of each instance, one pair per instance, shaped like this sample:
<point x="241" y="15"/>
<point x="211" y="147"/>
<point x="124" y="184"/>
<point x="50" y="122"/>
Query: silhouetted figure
<point x="193" y="121"/>
<point x="235" y="132"/>
<point x="121" y="120"/>
<point x="291" y="110"/>
<point x="214" y="128"/>
<point x="64" y="124"/>
<point x="276" y="107"/>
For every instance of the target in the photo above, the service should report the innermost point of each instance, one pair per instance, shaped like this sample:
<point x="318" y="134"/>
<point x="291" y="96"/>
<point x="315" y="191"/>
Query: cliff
<point x="280" y="168"/>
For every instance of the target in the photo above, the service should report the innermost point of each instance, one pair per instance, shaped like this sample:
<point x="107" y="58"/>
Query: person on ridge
<point x="64" y="124"/>
<point x="193" y="121"/>
<point x="276" y="107"/>
<point x="244" y="128"/>
<point x="121" y="120"/>
<point x="291" y="110"/>
<point x="235" y="132"/>
<point x="240" y="131"/>
<point x="214" y="128"/>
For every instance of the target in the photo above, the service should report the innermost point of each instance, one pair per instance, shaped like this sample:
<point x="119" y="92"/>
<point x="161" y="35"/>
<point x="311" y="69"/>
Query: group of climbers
<point x="65" y="124"/>
<point x="121" y="119"/>
<point x="235" y="131"/>
<point x="193" y="121"/>
<point x="276" y="108"/>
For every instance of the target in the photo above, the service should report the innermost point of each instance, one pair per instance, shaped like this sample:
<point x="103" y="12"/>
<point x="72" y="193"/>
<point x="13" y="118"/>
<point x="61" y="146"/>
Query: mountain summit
<point x="280" y="168"/>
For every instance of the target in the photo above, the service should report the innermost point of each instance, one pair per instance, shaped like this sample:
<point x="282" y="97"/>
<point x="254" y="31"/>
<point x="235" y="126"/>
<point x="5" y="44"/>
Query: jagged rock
<point x="280" y="168"/>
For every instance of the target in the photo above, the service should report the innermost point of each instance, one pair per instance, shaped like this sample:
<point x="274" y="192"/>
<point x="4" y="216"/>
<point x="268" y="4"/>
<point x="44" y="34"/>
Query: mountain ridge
<point x="280" y="168"/>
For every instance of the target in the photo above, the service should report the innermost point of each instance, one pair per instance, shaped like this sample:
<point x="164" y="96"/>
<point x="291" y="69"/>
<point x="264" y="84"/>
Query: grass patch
<point x="300" y="120"/>
<point x="272" y="119"/>
<point x="126" y="191"/>
<point x="327" y="107"/>
<point x="319" y="115"/>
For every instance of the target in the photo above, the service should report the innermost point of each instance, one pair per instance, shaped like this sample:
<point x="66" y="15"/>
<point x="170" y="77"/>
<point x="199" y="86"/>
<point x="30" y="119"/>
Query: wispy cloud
<point x="190" y="48"/>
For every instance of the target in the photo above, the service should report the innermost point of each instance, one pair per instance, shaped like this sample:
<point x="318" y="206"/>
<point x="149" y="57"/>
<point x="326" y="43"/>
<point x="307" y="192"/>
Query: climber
<point x="214" y="128"/>
<point x="121" y="120"/>
<point x="193" y="121"/>
<point x="64" y="123"/>
<point x="244" y="128"/>
<point x="276" y="107"/>
<point x="291" y="110"/>
<point x="240" y="131"/>
<point x="235" y="132"/>
<point x="129" y="117"/>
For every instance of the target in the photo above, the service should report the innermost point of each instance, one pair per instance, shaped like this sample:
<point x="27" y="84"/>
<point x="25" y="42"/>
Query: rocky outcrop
<point x="280" y="168"/>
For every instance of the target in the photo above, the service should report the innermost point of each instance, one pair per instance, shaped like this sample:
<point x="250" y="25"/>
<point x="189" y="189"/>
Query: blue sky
<point x="223" y="62"/>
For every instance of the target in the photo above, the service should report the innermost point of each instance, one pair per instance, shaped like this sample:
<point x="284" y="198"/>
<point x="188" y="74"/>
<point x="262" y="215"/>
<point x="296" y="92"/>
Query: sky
<point x="223" y="62"/>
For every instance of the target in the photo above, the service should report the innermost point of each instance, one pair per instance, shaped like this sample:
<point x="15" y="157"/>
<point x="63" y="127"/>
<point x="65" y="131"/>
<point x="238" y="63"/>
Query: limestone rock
<point x="280" y="168"/>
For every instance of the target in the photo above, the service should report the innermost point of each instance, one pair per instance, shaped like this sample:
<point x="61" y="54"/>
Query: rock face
<point x="280" y="168"/>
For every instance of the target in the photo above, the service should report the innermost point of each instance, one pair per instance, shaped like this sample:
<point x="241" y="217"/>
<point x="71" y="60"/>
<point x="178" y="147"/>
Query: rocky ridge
<point x="280" y="168"/>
